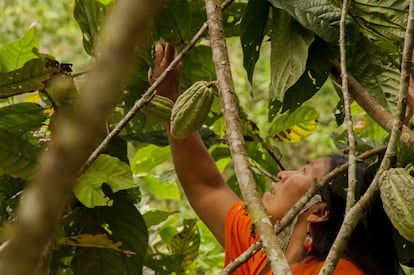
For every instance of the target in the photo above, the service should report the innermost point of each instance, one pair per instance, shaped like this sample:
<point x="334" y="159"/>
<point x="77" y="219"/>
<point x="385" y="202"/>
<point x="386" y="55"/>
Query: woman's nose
<point x="283" y="175"/>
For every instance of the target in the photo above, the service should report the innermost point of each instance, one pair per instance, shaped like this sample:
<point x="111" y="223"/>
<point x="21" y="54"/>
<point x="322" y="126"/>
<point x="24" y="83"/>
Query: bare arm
<point x="202" y="182"/>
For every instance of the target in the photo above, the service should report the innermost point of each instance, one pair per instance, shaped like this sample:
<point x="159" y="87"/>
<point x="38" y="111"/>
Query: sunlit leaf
<point x="155" y="217"/>
<point x="160" y="189"/>
<point x="290" y="43"/>
<point x="14" y="54"/>
<point x="149" y="157"/>
<point x="105" y="169"/>
<point x="295" y="126"/>
<point x="18" y="158"/>
<point x="90" y="15"/>
<point x="32" y="76"/>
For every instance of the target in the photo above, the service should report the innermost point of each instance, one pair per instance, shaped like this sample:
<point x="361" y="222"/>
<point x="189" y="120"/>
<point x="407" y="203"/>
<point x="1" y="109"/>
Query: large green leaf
<point x="252" y="31"/>
<point x="105" y="169"/>
<point x="149" y="157"/>
<point x="162" y="189"/>
<point x="125" y="225"/>
<point x="14" y="54"/>
<point x="32" y="76"/>
<point x="317" y="70"/>
<point x="155" y="217"/>
<point x="290" y="43"/>
<point x="293" y="127"/>
<point x="379" y="77"/>
<point x="174" y="22"/>
<point x="18" y="158"/>
<point x="383" y="22"/>
<point x="319" y="16"/>
<point x="90" y="15"/>
<point x="21" y="117"/>
<point x="199" y="57"/>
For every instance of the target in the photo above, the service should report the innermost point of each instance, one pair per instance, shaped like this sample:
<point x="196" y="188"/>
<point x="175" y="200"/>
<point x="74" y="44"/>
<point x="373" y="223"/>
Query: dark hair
<point x="370" y="246"/>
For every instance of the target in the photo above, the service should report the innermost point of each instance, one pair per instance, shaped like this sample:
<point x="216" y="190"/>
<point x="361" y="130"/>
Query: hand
<point x="164" y="55"/>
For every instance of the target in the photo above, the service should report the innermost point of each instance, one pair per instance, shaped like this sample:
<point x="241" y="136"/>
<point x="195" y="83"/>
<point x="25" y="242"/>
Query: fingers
<point x="169" y="53"/>
<point x="159" y="53"/>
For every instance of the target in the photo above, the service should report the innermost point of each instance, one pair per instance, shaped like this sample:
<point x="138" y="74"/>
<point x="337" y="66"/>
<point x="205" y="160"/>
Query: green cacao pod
<point x="397" y="195"/>
<point x="158" y="109"/>
<point x="191" y="109"/>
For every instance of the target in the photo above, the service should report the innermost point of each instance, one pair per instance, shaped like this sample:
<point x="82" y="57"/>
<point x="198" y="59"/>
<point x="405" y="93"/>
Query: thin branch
<point x="244" y="257"/>
<point x="350" y="197"/>
<point x="354" y="214"/>
<point x="146" y="96"/>
<point x="236" y="142"/>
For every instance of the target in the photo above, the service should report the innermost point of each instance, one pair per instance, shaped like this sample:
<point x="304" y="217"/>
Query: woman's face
<point x="291" y="186"/>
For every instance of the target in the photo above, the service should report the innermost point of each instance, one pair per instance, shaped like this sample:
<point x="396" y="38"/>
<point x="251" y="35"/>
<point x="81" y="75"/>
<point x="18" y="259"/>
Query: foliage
<point x="128" y="211"/>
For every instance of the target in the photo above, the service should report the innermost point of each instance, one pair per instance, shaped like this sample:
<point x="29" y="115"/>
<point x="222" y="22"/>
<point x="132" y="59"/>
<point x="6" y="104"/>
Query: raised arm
<point x="202" y="182"/>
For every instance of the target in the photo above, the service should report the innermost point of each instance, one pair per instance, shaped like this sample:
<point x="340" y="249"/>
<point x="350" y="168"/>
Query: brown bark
<point x="236" y="142"/>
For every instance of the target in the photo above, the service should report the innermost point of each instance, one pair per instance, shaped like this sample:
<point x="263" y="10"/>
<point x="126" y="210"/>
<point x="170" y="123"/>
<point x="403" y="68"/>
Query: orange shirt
<point x="239" y="236"/>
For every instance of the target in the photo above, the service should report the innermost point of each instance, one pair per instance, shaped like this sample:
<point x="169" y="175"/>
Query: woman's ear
<point x="319" y="212"/>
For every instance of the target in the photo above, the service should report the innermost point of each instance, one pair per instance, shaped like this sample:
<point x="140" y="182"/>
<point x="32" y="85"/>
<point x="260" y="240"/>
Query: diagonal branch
<point x="354" y="214"/>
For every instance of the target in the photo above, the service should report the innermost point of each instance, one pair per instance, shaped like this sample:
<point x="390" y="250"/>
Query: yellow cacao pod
<point x="191" y="109"/>
<point x="158" y="109"/>
<point x="397" y="195"/>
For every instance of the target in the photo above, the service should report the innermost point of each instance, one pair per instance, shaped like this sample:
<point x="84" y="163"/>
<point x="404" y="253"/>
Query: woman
<point x="310" y="236"/>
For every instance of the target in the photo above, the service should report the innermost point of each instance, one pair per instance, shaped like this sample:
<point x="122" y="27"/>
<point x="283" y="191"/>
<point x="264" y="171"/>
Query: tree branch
<point x="354" y="214"/>
<point x="78" y="130"/>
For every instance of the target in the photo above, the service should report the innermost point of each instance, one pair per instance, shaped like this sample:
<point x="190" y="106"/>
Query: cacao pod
<point x="191" y="109"/>
<point x="158" y="109"/>
<point x="397" y="195"/>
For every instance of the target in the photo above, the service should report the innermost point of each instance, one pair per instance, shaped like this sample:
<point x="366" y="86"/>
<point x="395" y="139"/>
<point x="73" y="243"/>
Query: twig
<point x="146" y="96"/>
<point x="350" y="195"/>
<point x="244" y="257"/>
<point x="354" y="214"/>
<point x="234" y="135"/>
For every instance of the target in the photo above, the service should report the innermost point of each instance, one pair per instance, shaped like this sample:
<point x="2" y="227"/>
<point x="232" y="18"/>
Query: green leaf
<point x="289" y="46"/>
<point x="14" y="54"/>
<point x="379" y="77"/>
<point x="383" y="22"/>
<point x="252" y="28"/>
<point x="105" y="169"/>
<point x="199" y="57"/>
<point x="32" y="76"/>
<point x="293" y="127"/>
<point x="90" y="15"/>
<point x="155" y="217"/>
<point x="18" y="157"/>
<point x="317" y="70"/>
<point x="21" y="117"/>
<point x="158" y="188"/>
<point x="174" y="22"/>
<point x="185" y="245"/>
<point x="149" y="157"/>
<point x="320" y="16"/>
